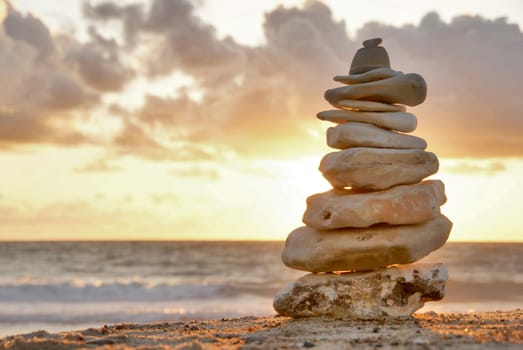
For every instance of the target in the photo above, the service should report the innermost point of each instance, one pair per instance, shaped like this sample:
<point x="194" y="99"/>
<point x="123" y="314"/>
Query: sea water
<point x="74" y="285"/>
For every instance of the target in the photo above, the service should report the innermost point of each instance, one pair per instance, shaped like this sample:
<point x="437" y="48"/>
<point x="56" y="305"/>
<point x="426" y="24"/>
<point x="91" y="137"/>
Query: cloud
<point x="72" y="219"/>
<point x="20" y="127"/>
<point x="77" y="219"/>
<point x="478" y="167"/>
<point x="176" y="37"/>
<point x="30" y="30"/>
<point x="99" y="165"/>
<point x="38" y="80"/>
<point x="207" y="173"/>
<point x="261" y="100"/>
<point x="470" y="66"/>
<point x="130" y="16"/>
<point x="258" y="100"/>
<point x="161" y="198"/>
<point x="49" y="81"/>
<point x="98" y="63"/>
<point x="134" y="140"/>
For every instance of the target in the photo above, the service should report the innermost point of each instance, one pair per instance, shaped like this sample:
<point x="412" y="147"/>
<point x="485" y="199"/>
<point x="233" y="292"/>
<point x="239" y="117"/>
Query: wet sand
<point x="488" y="330"/>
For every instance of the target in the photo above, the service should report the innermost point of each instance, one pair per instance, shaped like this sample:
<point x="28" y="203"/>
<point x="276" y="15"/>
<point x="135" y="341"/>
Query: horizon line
<point x="200" y="241"/>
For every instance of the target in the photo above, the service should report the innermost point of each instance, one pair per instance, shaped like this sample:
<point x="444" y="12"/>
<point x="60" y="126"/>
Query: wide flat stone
<point x="408" y="89"/>
<point x="377" y="168"/>
<point x="395" y="292"/>
<point x="400" y="121"/>
<point x="363" y="249"/>
<point x="372" y="75"/>
<point x="399" y="205"/>
<point x="355" y="134"/>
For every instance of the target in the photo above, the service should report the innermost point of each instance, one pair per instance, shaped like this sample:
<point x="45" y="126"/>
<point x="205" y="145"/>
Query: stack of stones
<point x="361" y="237"/>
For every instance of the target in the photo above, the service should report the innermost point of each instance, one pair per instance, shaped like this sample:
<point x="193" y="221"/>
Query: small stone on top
<point x="372" y="42"/>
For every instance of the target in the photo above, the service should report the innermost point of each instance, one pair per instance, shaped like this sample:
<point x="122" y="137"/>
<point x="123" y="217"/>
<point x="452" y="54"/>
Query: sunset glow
<point x="118" y="130"/>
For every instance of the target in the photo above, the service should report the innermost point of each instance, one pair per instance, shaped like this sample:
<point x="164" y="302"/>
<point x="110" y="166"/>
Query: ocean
<point x="74" y="285"/>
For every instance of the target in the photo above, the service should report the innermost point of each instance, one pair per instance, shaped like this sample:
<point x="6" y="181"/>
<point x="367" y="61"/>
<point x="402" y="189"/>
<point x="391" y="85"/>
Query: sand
<point x="489" y="330"/>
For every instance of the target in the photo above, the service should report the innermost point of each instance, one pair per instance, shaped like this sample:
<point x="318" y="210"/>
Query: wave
<point x="125" y="291"/>
<point x="99" y="313"/>
<point x="118" y="317"/>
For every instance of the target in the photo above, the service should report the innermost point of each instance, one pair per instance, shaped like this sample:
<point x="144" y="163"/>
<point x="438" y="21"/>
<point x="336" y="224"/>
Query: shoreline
<point x="485" y="330"/>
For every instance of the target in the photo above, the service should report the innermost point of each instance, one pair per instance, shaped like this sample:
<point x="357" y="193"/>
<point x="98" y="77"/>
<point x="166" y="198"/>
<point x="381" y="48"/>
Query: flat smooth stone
<point x="395" y="292"/>
<point x="363" y="249"/>
<point x="368" y="106"/>
<point x="400" y="121"/>
<point x="377" y="168"/>
<point x="399" y="205"/>
<point x="372" y="75"/>
<point x="355" y="134"/>
<point x="407" y="89"/>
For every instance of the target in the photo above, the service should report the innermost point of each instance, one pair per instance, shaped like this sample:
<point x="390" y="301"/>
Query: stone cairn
<point x="361" y="237"/>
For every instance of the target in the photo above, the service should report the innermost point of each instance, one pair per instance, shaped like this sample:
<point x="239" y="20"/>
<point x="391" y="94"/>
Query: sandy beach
<point x="489" y="330"/>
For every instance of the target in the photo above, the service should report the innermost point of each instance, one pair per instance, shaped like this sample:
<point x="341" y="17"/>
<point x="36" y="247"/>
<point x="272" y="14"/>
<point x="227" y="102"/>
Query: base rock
<point x="394" y="292"/>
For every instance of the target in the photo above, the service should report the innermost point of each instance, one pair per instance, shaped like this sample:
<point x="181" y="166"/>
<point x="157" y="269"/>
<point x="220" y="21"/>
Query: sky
<point x="179" y="119"/>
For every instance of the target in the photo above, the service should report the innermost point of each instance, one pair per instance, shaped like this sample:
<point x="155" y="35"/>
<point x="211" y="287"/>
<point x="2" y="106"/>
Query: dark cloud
<point x="471" y="68"/>
<point x="262" y="100"/>
<point x="36" y="84"/>
<point x="265" y="101"/>
<point x="49" y="80"/>
<point x="175" y="37"/>
<point x="30" y="30"/>
<point x="23" y="128"/>
<point x="131" y="16"/>
<point x="98" y="63"/>
<point x="255" y="100"/>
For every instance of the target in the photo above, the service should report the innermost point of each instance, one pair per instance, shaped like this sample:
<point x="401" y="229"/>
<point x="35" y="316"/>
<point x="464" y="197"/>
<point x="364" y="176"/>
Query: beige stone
<point x="368" y="106"/>
<point x="362" y="249"/>
<point x="355" y="134"/>
<point x="408" y="89"/>
<point x="395" y="292"/>
<point x="400" y="121"/>
<point x="377" y="168"/>
<point x="372" y="75"/>
<point x="406" y="204"/>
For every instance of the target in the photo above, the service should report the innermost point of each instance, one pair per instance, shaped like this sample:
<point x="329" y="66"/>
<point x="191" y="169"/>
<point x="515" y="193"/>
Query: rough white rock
<point x="400" y="205"/>
<point x="355" y="134"/>
<point x="363" y="249"/>
<point x="377" y="168"/>
<point x="400" y="121"/>
<point x="372" y="75"/>
<point x="407" y="89"/>
<point x="395" y="292"/>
